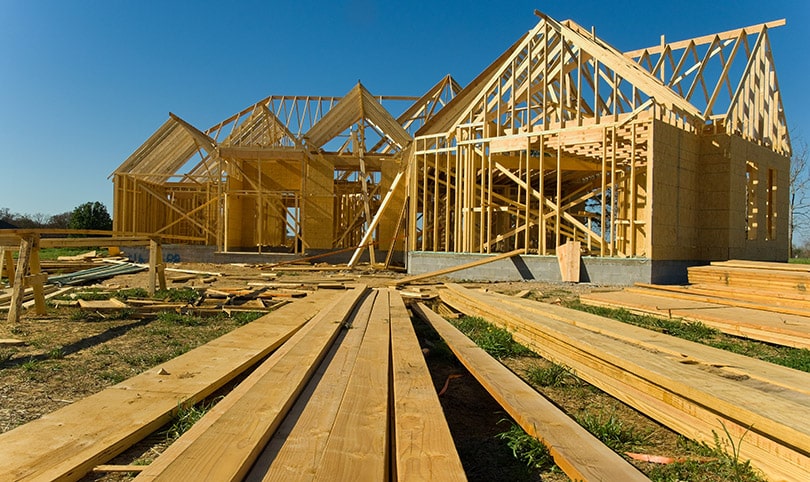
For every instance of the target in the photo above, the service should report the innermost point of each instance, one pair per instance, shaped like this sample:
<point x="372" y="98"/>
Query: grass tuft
<point x="551" y="375"/>
<point x="527" y="448"/>
<point x="611" y="431"/>
<point x="180" y="319"/>
<point x="496" y="341"/>
<point x="186" y="417"/>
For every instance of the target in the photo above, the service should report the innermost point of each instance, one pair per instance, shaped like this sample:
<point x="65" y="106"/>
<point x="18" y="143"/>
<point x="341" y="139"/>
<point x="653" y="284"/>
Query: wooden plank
<point x="357" y="448"/>
<point x="7" y="264"/>
<point x="698" y="387"/>
<point x="68" y="443"/>
<point x="297" y="446"/>
<point x="453" y="269"/>
<point x="578" y="453"/>
<point x="568" y="256"/>
<point x="674" y="347"/>
<point x="118" y="468"/>
<point x="229" y="446"/>
<point x="423" y="446"/>
<point x="758" y="297"/>
<point x="23" y="264"/>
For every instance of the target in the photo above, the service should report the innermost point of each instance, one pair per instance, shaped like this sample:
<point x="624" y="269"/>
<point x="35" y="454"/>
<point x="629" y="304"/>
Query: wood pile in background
<point x="757" y="300"/>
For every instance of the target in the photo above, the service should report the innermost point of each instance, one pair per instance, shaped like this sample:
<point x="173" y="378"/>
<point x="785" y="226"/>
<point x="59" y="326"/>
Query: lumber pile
<point x="771" y="277"/>
<point x="780" y="325"/>
<point x="328" y="403"/>
<point x="68" y="443"/>
<point x="756" y="300"/>
<point x="698" y="391"/>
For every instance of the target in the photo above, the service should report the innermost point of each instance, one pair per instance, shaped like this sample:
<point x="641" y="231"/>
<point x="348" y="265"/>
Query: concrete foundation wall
<point x="603" y="271"/>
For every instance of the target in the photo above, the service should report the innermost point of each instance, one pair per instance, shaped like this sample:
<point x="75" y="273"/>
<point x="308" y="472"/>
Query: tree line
<point x="90" y="215"/>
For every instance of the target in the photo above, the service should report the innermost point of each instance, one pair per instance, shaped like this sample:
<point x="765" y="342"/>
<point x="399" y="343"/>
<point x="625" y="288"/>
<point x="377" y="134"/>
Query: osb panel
<point x="318" y="204"/>
<point x="675" y="193"/>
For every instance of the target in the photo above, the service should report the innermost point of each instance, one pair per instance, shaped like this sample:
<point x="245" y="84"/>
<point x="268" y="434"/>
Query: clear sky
<point x="83" y="83"/>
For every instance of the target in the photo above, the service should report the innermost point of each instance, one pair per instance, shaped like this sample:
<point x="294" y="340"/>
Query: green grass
<point x="127" y="293"/>
<point x="551" y="375"/>
<point x="612" y="431"/>
<point x="689" y="330"/>
<point x="527" y="449"/>
<point x="708" y="464"/>
<point x="186" y="417"/>
<point x="54" y="253"/>
<point x="186" y="294"/>
<point x="245" y="317"/>
<point x="496" y="341"/>
<point x="799" y="260"/>
<point x="180" y="319"/>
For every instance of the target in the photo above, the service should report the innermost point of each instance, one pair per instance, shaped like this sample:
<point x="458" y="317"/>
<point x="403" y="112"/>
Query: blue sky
<point x="83" y="83"/>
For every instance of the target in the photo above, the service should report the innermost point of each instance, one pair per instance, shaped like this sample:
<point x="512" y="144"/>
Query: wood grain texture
<point x="357" y="448"/>
<point x="295" y="450"/>
<point x="670" y="386"/>
<point x="226" y="450"/>
<point x="68" y="443"/>
<point x="423" y="446"/>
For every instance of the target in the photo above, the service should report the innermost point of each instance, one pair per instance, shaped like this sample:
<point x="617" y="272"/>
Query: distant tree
<point x="91" y="215"/>
<point x="60" y="221"/>
<point x="799" y="214"/>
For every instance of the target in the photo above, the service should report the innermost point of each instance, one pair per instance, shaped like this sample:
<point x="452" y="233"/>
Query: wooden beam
<point x="298" y="445"/>
<point x="358" y="443"/>
<point x="728" y="34"/>
<point x="374" y="222"/>
<point x="689" y="387"/>
<point x="424" y="448"/>
<point x="23" y="264"/>
<point x="157" y="276"/>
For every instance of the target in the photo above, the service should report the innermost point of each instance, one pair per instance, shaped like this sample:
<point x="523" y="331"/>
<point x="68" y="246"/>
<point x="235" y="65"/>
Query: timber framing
<point x="563" y="138"/>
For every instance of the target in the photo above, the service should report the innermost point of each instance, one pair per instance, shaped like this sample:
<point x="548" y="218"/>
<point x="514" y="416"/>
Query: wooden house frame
<point x="679" y="151"/>
<point x="287" y="173"/>
<point x="564" y="138"/>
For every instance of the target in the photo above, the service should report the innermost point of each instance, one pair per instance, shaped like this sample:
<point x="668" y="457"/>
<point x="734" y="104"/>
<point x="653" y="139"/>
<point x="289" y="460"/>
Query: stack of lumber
<point x="68" y="443"/>
<point x="757" y="300"/>
<point x="698" y="391"/>
<point x="760" y="275"/>
<point x="327" y="404"/>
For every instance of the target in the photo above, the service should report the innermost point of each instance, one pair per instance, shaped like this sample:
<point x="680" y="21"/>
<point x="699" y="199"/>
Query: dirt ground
<point x="69" y="355"/>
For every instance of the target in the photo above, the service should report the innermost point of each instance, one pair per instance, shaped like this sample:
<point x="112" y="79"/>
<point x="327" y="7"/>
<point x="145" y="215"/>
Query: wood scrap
<point x="78" y="257"/>
<point x="4" y="342"/>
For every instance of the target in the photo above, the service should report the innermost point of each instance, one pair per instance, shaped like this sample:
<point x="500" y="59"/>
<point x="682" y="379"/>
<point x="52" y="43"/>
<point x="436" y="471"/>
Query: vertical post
<point x="36" y="283"/>
<point x="156" y="267"/>
<point x="7" y="261"/>
<point x="23" y="262"/>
